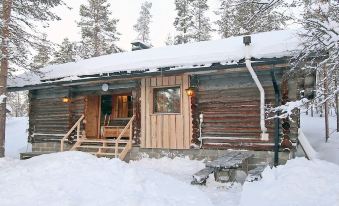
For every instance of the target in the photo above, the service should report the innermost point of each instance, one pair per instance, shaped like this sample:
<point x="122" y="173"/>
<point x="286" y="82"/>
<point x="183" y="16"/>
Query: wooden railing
<point x="77" y="126"/>
<point x="129" y="143"/>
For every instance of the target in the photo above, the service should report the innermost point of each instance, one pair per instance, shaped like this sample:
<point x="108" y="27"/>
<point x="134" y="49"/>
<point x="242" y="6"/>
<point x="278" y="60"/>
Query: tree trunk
<point x="326" y="103"/>
<point x="7" y="7"/>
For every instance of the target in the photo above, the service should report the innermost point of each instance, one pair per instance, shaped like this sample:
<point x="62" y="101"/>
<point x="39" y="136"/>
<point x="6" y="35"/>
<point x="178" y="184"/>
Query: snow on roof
<point x="225" y="51"/>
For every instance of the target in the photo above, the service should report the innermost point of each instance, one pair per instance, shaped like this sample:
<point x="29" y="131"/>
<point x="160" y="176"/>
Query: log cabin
<point x="197" y="99"/>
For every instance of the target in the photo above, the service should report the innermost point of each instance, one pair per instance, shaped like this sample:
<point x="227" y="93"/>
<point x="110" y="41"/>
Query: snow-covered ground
<point x="75" y="178"/>
<point x="16" y="136"/>
<point x="313" y="128"/>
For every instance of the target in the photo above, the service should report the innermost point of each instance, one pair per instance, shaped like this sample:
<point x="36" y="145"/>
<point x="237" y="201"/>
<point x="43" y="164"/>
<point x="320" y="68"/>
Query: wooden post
<point x="7" y="7"/>
<point x="326" y="103"/>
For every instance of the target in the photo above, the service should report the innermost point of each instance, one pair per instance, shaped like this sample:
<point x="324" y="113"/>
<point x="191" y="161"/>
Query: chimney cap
<point x="138" y="45"/>
<point x="247" y="40"/>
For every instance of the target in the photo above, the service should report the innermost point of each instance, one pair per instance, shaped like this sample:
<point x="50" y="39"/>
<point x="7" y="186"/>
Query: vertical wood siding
<point x="172" y="131"/>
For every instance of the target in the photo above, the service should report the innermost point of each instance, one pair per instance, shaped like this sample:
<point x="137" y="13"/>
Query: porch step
<point x="104" y="141"/>
<point x="98" y="147"/>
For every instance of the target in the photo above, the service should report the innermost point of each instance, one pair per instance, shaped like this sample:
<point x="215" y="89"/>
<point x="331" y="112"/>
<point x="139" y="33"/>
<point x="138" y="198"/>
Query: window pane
<point x="167" y="100"/>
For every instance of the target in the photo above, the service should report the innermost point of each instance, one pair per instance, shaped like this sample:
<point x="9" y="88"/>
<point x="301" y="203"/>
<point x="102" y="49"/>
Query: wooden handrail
<point x="119" y="137"/>
<point x="76" y="125"/>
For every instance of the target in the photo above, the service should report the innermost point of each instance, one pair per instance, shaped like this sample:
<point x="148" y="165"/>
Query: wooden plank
<point x="179" y="133"/>
<point x="165" y="81"/>
<point x="178" y="80"/>
<point x="159" y="81"/>
<point x="154" y="128"/>
<point x="143" y="114"/>
<point x="172" y="133"/>
<point x="171" y="80"/>
<point x="185" y="111"/>
<point x="166" y="132"/>
<point x="147" y="113"/>
<point x="159" y="126"/>
<point x="153" y="81"/>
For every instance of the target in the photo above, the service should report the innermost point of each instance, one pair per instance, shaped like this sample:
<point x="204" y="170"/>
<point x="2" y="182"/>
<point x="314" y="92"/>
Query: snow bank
<point x="180" y="168"/>
<point x="16" y="136"/>
<point x="75" y="178"/>
<point x="300" y="182"/>
<point x="314" y="130"/>
<point x="201" y="54"/>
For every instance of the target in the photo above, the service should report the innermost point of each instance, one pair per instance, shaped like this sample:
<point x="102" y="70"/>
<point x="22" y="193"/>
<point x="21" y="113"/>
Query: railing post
<point x="62" y="145"/>
<point x="78" y="131"/>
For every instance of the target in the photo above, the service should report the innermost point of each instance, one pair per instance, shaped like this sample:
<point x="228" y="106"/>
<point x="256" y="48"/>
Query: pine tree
<point x="66" y="52"/>
<point x="169" y="40"/>
<point x="201" y="23"/>
<point x="98" y="30"/>
<point x="18" y="37"/>
<point x="143" y="22"/>
<point x="183" y="22"/>
<point x="241" y="17"/>
<point x="43" y="57"/>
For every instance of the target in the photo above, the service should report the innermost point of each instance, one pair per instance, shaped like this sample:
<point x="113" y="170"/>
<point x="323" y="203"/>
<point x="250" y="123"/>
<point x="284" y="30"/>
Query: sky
<point x="127" y="11"/>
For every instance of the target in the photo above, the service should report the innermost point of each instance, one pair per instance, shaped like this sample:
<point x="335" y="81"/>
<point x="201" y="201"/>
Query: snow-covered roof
<point x="201" y="54"/>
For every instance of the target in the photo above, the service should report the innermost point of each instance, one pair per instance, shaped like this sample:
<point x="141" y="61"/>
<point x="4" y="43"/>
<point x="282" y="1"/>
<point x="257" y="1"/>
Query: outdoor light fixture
<point x="66" y="100"/>
<point x="190" y="91"/>
<point x="104" y="87"/>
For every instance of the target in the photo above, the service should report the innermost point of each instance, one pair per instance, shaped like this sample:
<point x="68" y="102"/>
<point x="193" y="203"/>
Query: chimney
<point x="138" y="45"/>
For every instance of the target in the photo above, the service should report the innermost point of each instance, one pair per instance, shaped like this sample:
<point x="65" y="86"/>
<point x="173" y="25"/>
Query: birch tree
<point x="320" y="50"/>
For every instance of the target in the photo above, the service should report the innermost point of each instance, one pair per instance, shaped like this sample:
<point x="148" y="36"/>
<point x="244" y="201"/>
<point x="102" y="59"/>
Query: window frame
<point x="153" y="100"/>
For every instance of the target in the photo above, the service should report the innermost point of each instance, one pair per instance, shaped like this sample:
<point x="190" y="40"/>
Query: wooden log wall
<point x="230" y="103"/>
<point x="49" y="117"/>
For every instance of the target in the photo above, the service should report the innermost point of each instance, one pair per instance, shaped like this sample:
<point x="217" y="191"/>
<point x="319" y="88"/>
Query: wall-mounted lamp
<point x="190" y="91"/>
<point x="66" y="100"/>
<point x="105" y="87"/>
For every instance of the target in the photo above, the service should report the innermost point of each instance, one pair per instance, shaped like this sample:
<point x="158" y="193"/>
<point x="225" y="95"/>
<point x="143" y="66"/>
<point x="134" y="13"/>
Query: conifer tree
<point x="241" y="17"/>
<point x="18" y="37"/>
<point x="98" y="29"/>
<point x="183" y="22"/>
<point x="43" y="57"/>
<point x="143" y="22"/>
<point x="201" y="23"/>
<point x="66" y="52"/>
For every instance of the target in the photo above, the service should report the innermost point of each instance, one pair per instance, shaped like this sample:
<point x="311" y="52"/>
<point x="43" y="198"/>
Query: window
<point x="166" y="100"/>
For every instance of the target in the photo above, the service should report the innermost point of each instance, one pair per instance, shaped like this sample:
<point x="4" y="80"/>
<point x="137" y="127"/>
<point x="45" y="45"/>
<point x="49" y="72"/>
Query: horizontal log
<point x="254" y="147"/>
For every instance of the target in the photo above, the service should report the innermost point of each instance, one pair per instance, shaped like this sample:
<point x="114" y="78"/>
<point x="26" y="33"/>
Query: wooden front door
<point x="92" y="116"/>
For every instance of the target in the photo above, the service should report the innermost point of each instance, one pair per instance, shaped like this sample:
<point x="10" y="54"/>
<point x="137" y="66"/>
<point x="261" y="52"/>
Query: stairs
<point x="104" y="147"/>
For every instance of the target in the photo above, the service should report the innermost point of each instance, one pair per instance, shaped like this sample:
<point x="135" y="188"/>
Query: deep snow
<point x="75" y="178"/>
<point x="16" y="136"/>
<point x="200" y="54"/>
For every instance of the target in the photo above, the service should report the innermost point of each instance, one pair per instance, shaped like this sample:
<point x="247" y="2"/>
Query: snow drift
<point x="75" y="178"/>
<point x="300" y="182"/>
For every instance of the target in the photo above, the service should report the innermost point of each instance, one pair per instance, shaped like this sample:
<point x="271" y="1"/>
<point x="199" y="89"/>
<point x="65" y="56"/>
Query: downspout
<point x="247" y="42"/>
<point x="276" y="119"/>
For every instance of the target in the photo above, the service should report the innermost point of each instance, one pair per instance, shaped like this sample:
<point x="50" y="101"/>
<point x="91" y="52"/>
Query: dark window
<point x="166" y="100"/>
